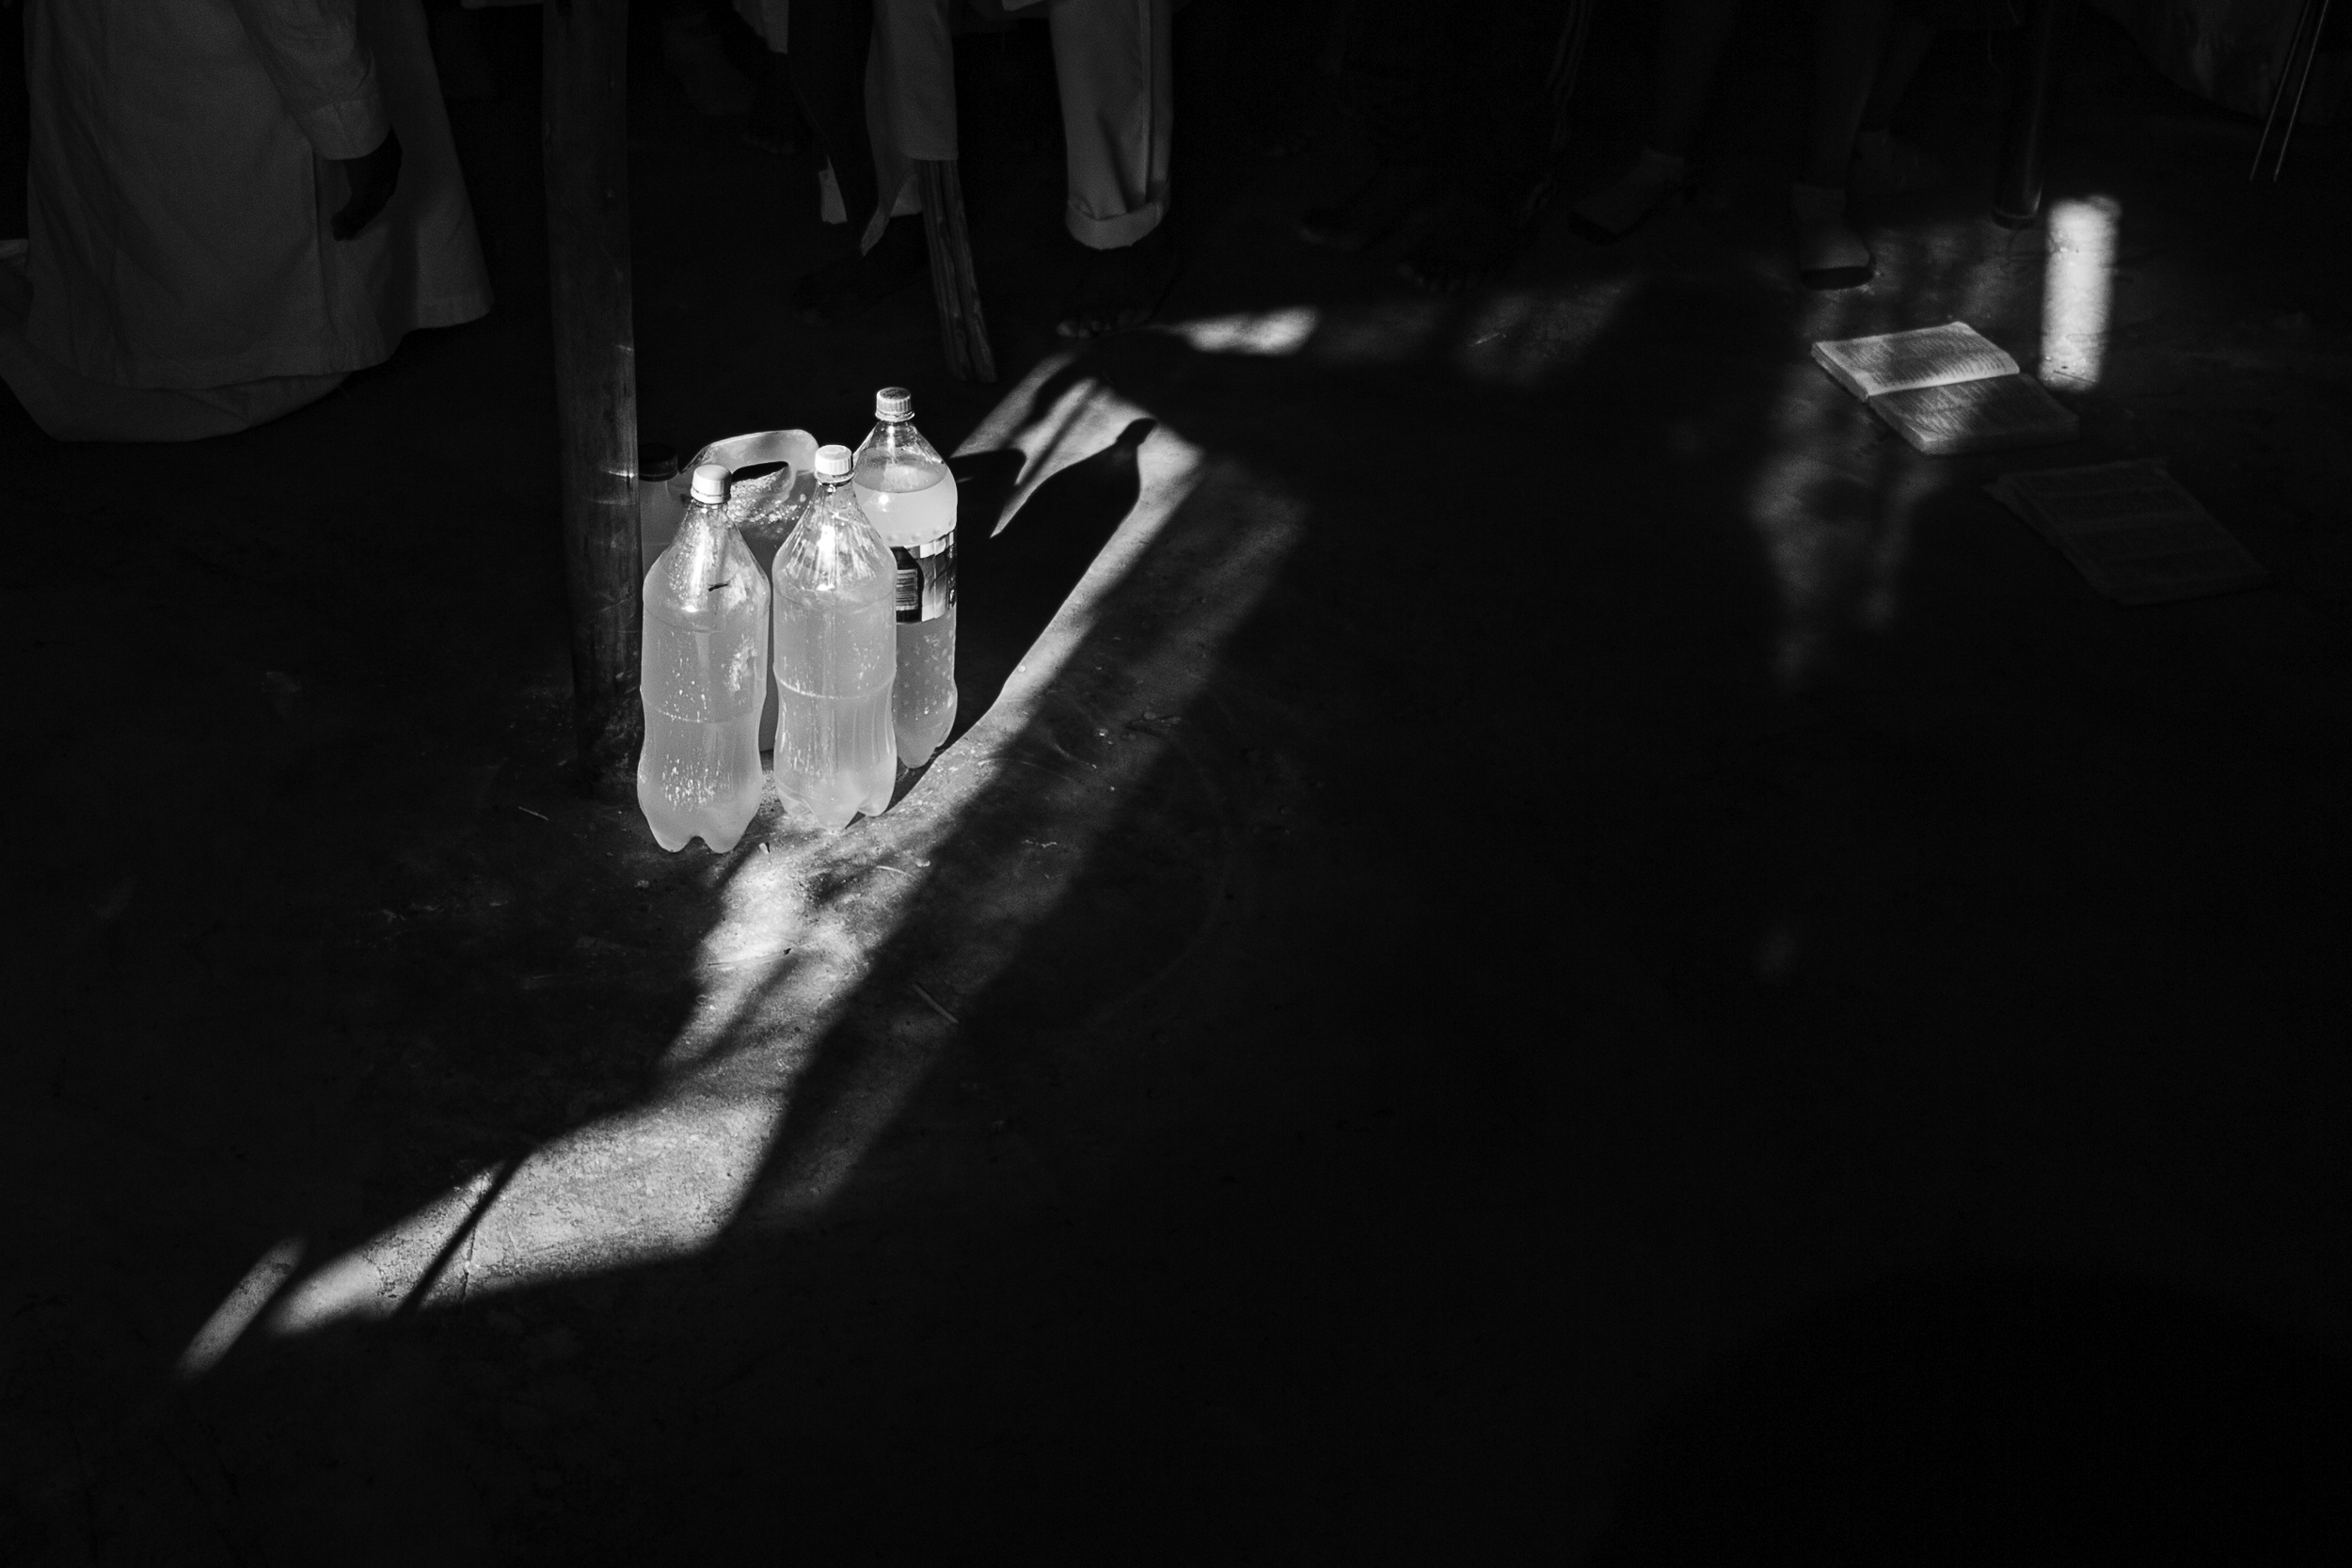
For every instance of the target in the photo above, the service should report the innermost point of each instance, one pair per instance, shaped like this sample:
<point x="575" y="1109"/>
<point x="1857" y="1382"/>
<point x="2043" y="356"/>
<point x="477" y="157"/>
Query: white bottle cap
<point x="893" y="404"/>
<point x="710" y="483"/>
<point x="833" y="463"/>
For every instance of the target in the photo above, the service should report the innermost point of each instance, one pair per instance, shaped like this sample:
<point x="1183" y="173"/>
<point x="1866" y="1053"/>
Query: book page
<point x="2133" y="532"/>
<point x="1925" y="357"/>
<point x="1977" y="416"/>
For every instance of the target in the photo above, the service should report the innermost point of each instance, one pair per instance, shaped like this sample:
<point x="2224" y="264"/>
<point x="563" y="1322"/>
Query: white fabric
<point x="71" y="407"/>
<point x="180" y="197"/>
<point x="1111" y="61"/>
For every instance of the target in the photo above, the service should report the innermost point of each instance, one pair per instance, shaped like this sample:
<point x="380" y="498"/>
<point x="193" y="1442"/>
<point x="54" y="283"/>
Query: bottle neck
<point x="706" y="514"/>
<point x="892" y="437"/>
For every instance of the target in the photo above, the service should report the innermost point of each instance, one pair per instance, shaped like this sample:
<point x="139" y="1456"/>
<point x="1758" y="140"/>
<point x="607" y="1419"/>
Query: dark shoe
<point x="1122" y="288"/>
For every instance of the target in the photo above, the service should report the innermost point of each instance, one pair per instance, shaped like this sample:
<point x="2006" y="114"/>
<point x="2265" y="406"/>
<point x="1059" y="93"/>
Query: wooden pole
<point x="584" y="142"/>
<point x="954" y="288"/>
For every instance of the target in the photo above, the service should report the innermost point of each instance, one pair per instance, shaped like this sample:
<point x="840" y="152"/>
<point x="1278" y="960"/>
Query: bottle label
<point x="927" y="577"/>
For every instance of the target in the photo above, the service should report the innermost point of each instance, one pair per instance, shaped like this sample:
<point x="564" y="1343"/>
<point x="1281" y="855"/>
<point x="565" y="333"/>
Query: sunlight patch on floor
<point x="1524" y="338"/>
<point x="801" y="916"/>
<point x="2077" y="292"/>
<point x="1261" y="332"/>
<point x="236" y="1312"/>
<point x="1833" y="503"/>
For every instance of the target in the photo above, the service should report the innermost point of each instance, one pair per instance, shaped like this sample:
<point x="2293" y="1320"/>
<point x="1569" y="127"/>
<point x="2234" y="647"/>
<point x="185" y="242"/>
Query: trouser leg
<point x="1117" y="109"/>
<point x="827" y="58"/>
<point x="918" y="76"/>
<point x="1510" y="66"/>
<point x="1392" y="76"/>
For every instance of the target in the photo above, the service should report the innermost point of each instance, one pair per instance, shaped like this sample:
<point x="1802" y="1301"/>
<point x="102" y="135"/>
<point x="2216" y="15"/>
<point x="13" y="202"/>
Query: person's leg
<point x="1692" y="38"/>
<point x="458" y="57"/>
<point x="1847" y="36"/>
<point x="1111" y="66"/>
<point x="1909" y="36"/>
<point x="916" y="43"/>
<point x="827" y="58"/>
<point x="1279" y="80"/>
<point x="1111" y="61"/>
<point x="832" y="62"/>
<point x="1509" y="74"/>
<point x="1693" y="35"/>
<point x="1883" y="164"/>
<point x="1848" y="39"/>
<point x="1390" y="81"/>
<point x="775" y="123"/>
<point x="689" y="44"/>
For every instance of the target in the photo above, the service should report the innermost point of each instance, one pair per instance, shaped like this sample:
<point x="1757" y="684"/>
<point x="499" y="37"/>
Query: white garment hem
<point x="1100" y="233"/>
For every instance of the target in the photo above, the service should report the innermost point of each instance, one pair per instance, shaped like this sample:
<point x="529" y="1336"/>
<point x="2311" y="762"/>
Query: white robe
<point x="1112" y="68"/>
<point x="179" y="206"/>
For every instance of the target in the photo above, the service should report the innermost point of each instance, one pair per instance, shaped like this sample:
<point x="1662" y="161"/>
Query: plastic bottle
<point x="904" y="486"/>
<point x="835" y="654"/>
<point x="705" y="677"/>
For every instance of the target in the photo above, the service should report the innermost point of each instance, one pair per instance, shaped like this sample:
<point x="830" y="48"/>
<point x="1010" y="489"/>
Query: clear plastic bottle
<point x="835" y="654"/>
<point x="703" y="677"/>
<point x="904" y="486"/>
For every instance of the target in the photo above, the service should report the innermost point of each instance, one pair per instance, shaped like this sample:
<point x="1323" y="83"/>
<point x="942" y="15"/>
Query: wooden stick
<point x="584" y="141"/>
<point x="947" y="303"/>
<point x="2311" y="54"/>
<point x="955" y="288"/>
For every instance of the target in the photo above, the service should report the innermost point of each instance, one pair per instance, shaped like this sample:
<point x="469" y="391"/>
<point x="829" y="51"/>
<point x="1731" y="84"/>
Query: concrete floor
<point x="1540" y="943"/>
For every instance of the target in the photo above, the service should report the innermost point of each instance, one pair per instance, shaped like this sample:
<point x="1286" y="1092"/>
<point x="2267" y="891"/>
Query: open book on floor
<point x="1946" y="391"/>
<point x="2132" y="532"/>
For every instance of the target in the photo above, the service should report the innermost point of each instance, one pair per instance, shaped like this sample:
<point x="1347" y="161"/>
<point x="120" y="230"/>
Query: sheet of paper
<point x="1977" y="416"/>
<point x="2133" y="532"/>
<point x="1924" y="357"/>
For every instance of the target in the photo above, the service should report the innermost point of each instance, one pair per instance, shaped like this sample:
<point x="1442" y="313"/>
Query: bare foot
<point x="1120" y="288"/>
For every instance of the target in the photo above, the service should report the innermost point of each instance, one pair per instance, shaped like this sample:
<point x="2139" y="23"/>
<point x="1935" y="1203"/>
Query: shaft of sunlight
<point x="800" y="925"/>
<point x="1272" y="333"/>
<point x="236" y="1313"/>
<point x="2077" y="292"/>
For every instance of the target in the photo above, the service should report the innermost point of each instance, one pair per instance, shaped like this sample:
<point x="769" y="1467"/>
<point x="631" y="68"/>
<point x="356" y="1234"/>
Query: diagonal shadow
<point x="1012" y="578"/>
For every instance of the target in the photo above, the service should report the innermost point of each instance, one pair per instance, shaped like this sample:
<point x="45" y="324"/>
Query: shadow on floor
<point x="1667" y="854"/>
<point x="1996" y="1415"/>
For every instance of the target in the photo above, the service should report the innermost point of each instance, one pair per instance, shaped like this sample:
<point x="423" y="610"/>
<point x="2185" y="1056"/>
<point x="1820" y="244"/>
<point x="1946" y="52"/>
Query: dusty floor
<point x="1563" y="932"/>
